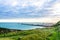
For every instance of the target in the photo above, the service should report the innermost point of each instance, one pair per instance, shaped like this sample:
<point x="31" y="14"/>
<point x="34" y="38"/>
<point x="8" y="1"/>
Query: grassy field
<point x="52" y="33"/>
<point x="34" y="34"/>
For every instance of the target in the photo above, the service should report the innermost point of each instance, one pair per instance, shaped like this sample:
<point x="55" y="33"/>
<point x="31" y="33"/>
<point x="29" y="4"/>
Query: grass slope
<point x="34" y="34"/>
<point x="52" y="33"/>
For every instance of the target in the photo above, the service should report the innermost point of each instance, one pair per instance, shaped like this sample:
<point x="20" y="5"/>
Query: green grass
<point x="52" y="33"/>
<point x="34" y="34"/>
<point x="6" y="38"/>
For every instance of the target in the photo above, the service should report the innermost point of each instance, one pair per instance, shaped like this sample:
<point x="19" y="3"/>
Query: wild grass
<point x="34" y="34"/>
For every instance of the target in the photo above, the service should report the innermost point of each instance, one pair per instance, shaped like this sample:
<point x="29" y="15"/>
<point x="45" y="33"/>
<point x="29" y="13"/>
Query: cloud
<point x="45" y="20"/>
<point x="29" y="9"/>
<point x="9" y="2"/>
<point x="56" y="8"/>
<point x="16" y="8"/>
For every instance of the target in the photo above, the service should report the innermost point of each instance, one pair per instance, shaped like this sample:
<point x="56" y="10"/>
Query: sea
<point x="18" y="26"/>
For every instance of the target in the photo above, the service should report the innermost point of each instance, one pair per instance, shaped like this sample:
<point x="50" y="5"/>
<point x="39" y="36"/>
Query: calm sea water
<point x="18" y="26"/>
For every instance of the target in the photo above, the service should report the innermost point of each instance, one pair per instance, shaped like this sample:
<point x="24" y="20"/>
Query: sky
<point x="29" y="10"/>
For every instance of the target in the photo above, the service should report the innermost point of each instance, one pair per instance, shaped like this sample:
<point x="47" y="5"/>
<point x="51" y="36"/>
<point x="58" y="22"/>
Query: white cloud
<point x="23" y="3"/>
<point x="56" y="9"/>
<point x="46" y="20"/>
<point x="15" y="3"/>
<point x="39" y="4"/>
<point x="11" y="3"/>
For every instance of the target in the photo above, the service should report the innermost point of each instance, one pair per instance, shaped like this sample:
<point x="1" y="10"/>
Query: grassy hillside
<point x="34" y="34"/>
<point x="52" y="33"/>
<point x="57" y="26"/>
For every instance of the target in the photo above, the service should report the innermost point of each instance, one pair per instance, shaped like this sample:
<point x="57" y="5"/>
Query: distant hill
<point x="57" y="24"/>
<point x="39" y="24"/>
